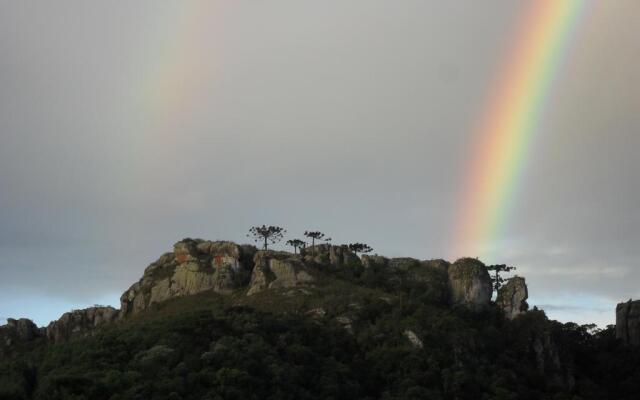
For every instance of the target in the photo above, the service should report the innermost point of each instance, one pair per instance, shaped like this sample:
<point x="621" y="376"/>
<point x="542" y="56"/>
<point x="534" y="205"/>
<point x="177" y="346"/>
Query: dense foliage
<point x="346" y="338"/>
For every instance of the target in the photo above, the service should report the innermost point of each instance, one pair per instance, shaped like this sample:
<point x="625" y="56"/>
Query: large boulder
<point x="278" y="270"/>
<point x="193" y="267"/>
<point x="512" y="297"/>
<point x="79" y="323"/>
<point x="628" y="322"/>
<point x="469" y="283"/>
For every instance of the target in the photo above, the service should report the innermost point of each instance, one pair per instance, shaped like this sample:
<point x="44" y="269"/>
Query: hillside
<point x="216" y="320"/>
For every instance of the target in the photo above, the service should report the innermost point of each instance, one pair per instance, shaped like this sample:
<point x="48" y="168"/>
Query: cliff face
<point x="470" y="283"/>
<point x="18" y="331"/>
<point x="277" y="270"/>
<point x="80" y="323"/>
<point x="281" y="311"/>
<point x="628" y="322"/>
<point x="512" y="297"/>
<point x="324" y="254"/>
<point x="194" y="266"/>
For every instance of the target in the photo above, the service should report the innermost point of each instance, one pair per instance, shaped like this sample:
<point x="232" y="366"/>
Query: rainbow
<point x="179" y="68"/>
<point x="510" y="123"/>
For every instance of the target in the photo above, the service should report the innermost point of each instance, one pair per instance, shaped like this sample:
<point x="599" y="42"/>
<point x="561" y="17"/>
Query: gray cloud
<point x="124" y="129"/>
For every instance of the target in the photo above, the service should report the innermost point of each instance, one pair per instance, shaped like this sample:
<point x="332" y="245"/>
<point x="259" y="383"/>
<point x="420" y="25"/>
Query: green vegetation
<point x="345" y="337"/>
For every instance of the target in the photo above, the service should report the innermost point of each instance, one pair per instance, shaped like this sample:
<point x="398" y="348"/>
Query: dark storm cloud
<point x="354" y="118"/>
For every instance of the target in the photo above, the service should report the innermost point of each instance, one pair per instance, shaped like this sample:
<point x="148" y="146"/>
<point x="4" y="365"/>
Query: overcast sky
<point x="126" y="126"/>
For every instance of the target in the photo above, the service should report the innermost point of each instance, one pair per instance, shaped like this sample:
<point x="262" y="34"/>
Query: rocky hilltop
<point x="216" y="319"/>
<point x="195" y="266"/>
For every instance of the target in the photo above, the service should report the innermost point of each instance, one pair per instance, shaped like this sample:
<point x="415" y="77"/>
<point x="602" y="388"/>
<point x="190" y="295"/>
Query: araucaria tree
<point x="266" y="234"/>
<point x="360" y="248"/>
<point x="296" y="244"/>
<point x="495" y="270"/>
<point x="314" y="235"/>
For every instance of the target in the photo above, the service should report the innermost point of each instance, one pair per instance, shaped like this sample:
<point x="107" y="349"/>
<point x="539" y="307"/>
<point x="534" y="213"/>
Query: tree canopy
<point x="360" y="248"/>
<point x="266" y="234"/>
<point x="296" y="244"/>
<point x="496" y="279"/>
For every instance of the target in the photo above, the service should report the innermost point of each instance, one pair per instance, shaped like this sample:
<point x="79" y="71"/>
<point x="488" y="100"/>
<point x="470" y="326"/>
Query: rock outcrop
<point x="80" y="323"/>
<point x="342" y="256"/>
<point x="336" y="256"/>
<point x="375" y="261"/>
<point x="512" y="297"/>
<point x="277" y="270"/>
<point x="194" y="266"/>
<point x="18" y="331"/>
<point x="403" y="263"/>
<point x="628" y="322"/>
<point x="469" y="283"/>
<point x="437" y="264"/>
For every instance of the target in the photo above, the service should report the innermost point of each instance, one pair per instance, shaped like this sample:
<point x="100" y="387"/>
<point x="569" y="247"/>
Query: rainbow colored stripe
<point x="510" y="123"/>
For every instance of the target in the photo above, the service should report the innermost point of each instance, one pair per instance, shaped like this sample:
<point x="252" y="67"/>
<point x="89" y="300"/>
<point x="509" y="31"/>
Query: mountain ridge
<point x="424" y="309"/>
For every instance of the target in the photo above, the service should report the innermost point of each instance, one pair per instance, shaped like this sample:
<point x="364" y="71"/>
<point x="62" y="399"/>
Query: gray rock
<point x="628" y="322"/>
<point x="403" y="263"/>
<point x="193" y="267"/>
<point x="325" y="254"/>
<point x="17" y="331"/>
<point x="512" y="297"/>
<point x="375" y="261"/>
<point x="24" y="329"/>
<point x="277" y="270"/>
<point x="80" y="323"/>
<point x="436" y="264"/>
<point x="469" y="283"/>
<point x="413" y="338"/>
<point x="341" y="256"/>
